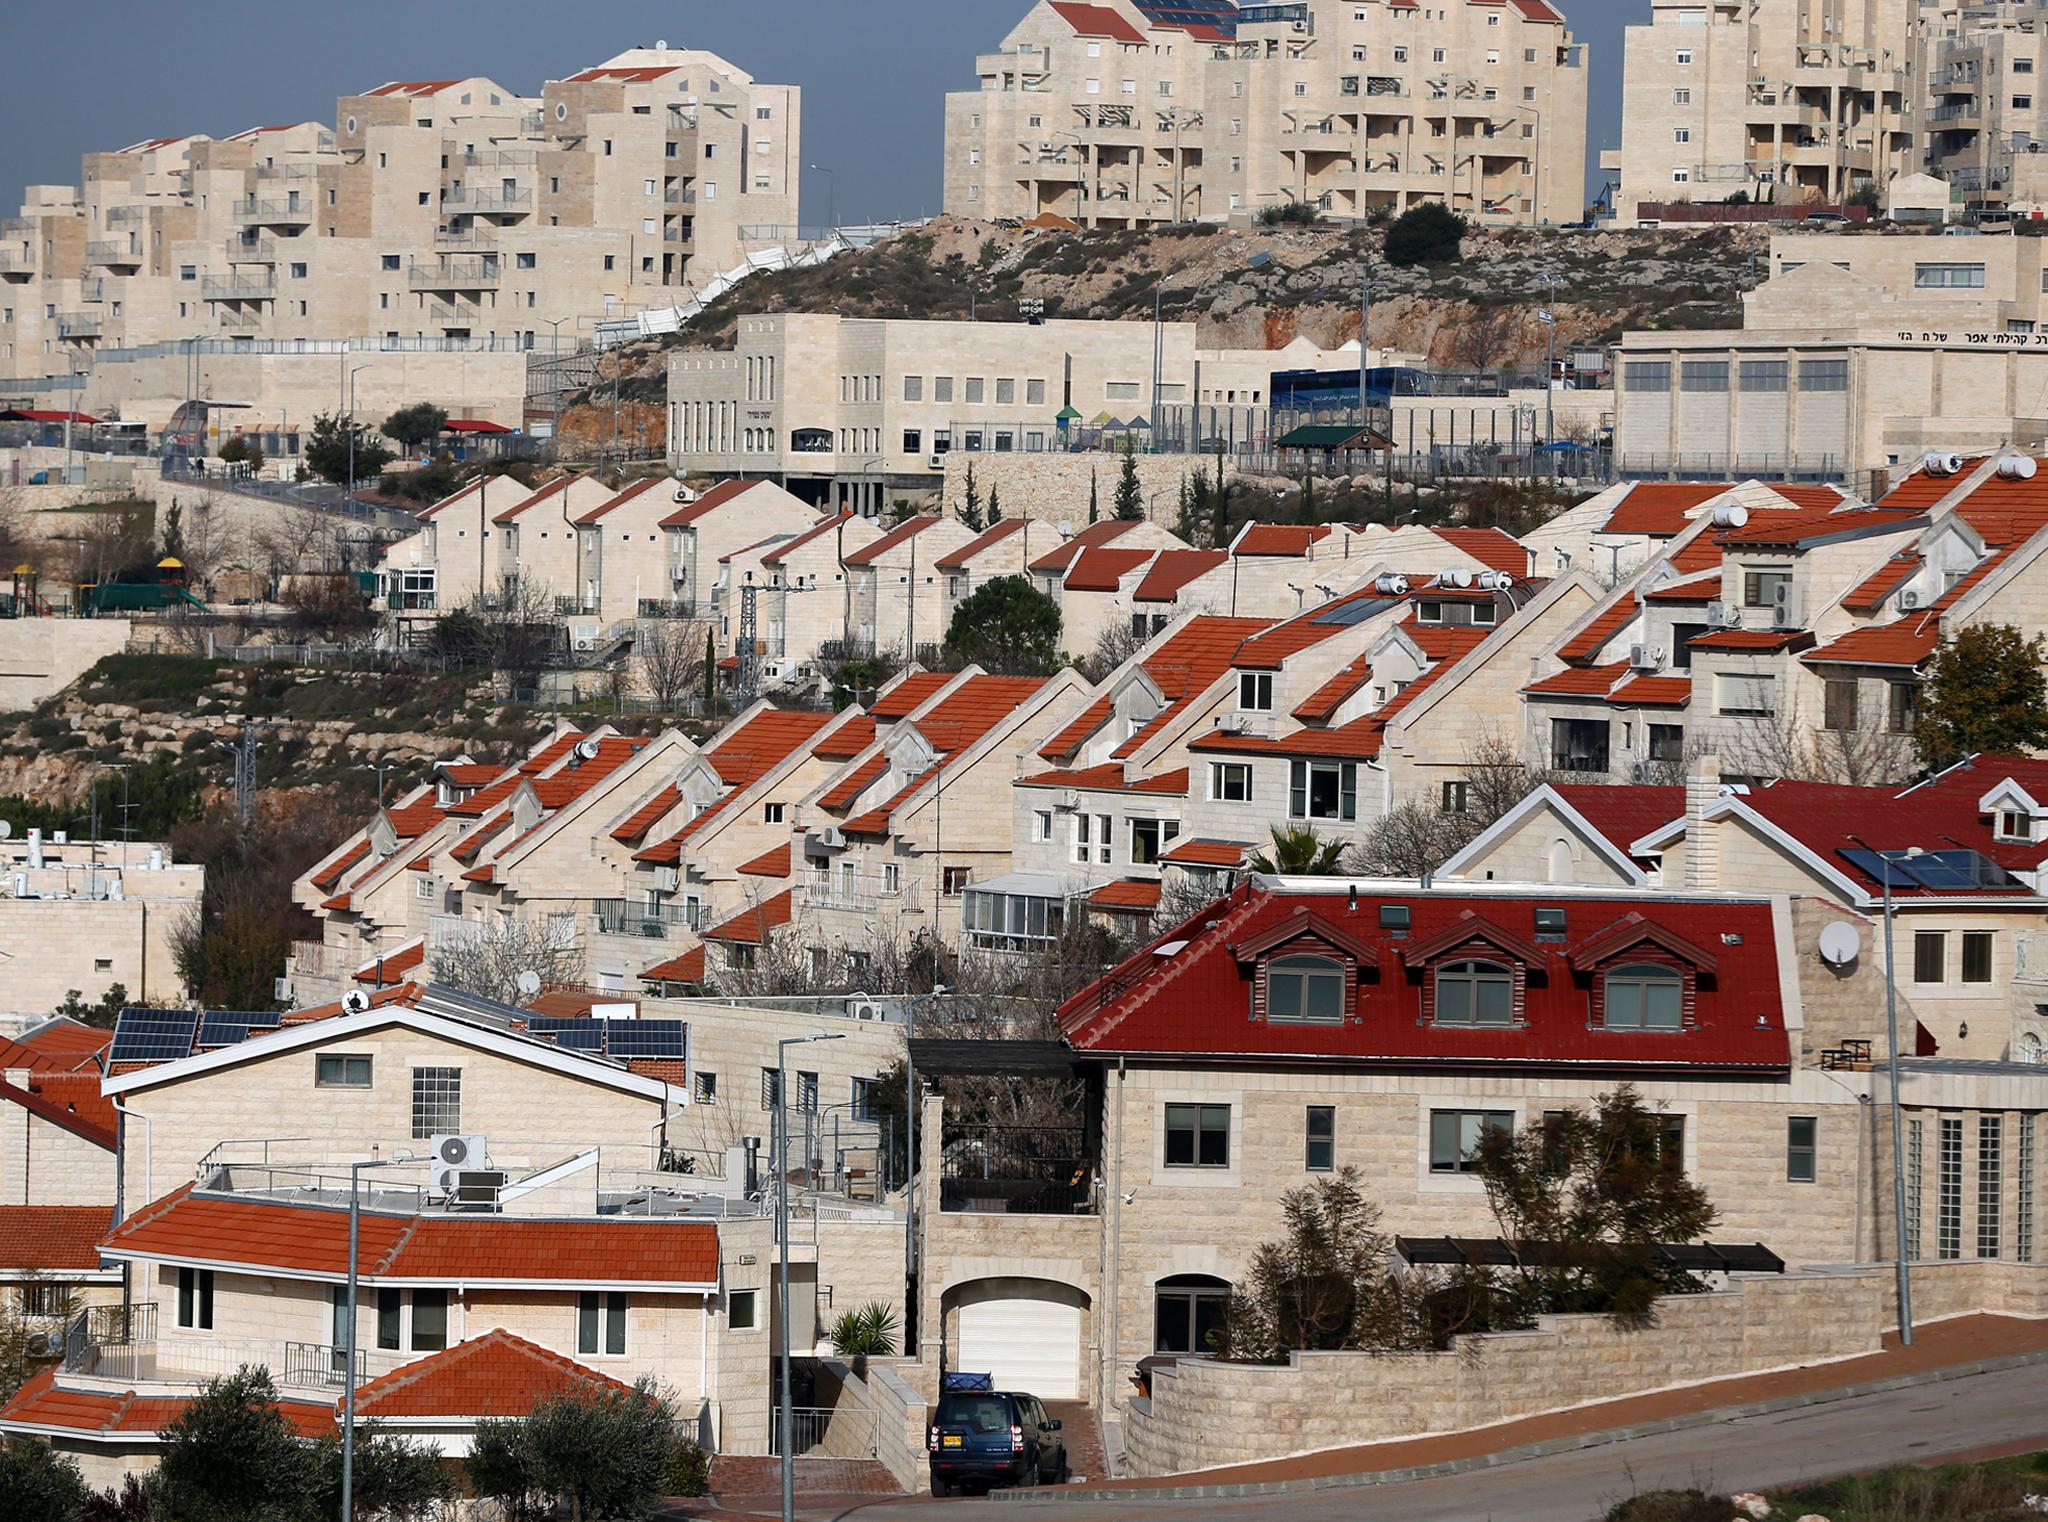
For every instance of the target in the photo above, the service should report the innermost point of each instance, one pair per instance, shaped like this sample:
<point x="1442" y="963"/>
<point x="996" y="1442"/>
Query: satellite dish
<point x="6" y="830"/>
<point x="586" y="750"/>
<point x="355" y="1001"/>
<point x="1840" y="943"/>
<point x="529" y="984"/>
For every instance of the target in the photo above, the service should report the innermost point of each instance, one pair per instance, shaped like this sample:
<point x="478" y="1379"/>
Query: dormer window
<point x="1309" y="988"/>
<point x="1475" y="993"/>
<point x="1642" y="996"/>
<point x="1255" y="691"/>
<point x="2014" y="824"/>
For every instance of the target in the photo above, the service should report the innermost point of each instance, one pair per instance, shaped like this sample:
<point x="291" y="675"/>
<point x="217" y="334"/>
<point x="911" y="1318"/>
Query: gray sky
<point x="98" y="77"/>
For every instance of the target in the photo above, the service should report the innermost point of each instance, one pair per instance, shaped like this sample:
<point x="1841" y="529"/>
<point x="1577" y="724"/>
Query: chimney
<point x="1702" y="846"/>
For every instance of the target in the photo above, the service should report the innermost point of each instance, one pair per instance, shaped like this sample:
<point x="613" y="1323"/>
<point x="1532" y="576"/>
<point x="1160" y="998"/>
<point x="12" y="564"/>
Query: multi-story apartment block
<point x="434" y="213"/>
<point x="1778" y="101"/>
<point x="1129" y="113"/>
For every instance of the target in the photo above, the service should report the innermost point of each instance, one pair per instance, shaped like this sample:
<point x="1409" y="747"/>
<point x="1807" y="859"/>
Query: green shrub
<point x="1291" y="214"/>
<point x="1672" y="1506"/>
<point x="688" y="1471"/>
<point x="1427" y="234"/>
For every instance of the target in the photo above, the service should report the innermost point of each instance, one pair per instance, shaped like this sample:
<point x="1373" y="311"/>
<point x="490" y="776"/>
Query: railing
<point x="465" y="237"/>
<point x="252" y="251"/>
<point x="92" y="290"/>
<point x="502" y="157"/>
<point x="288" y="171"/>
<point x="240" y="322"/>
<point x="677" y="234"/>
<point x="126" y="213"/>
<point x="667" y="607"/>
<point x="1016" y="1170"/>
<point x="859" y="894"/>
<point x="1587" y="764"/>
<point x="318" y="1365"/>
<point x="457" y="274"/>
<point x="77" y="325"/>
<point x="487" y="199"/>
<point x="255" y="210"/>
<point x="680" y="195"/>
<point x="654" y="922"/>
<point x="236" y="288"/>
<point x="441" y="311"/>
<point x="846" y="650"/>
<point x="818" y="1433"/>
<point x="110" y="251"/>
<point x="317" y="959"/>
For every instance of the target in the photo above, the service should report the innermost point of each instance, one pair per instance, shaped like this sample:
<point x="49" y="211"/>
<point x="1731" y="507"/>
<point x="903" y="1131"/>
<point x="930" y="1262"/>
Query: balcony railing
<point x="1016" y="1170"/>
<point x="316" y="959"/>
<point x="456" y="274"/>
<point x="238" y="321"/>
<point x="252" y="251"/>
<point x="680" y="195"/>
<point x="461" y="312"/>
<point x="126" y="213"/>
<point x="464" y="237"/>
<point x="237" y="288"/>
<point x="17" y="264"/>
<point x="256" y="210"/>
<point x="110" y="251"/>
<point x="92" y="290"/>
<point x="860" y="894"/>
<point x="677" y="234"/>
<point x="667" y="607"/>
<point x="1578" y="764"/>
<point x="77" y="325"/>
<point x="501" y="200"/>
<point x="654" y="922"/>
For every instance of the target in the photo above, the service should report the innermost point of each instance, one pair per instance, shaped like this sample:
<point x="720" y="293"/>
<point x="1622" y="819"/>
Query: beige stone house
<point x="794" y="624"/>
<point x="81" y="916"/>
<point x="895" y="591"/>
<point x="1006" y="548"/>
<point x="452" y="561"/>
<point x="701" y="530"/>
<point x="620" y="570"/>
<point x="1131" y="114"/>
<point x="538" y="540"/>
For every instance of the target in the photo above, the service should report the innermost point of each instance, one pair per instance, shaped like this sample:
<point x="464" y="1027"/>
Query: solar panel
<point x="646" y="1038"/>
<point x="153" y="1035"/>
<point x="227" y="1027"/>
<point x="573" y="1033"/>
<point x="1879" y="867"/>
<point x="1344" y="615"/>
<point x="1937" y="871"/>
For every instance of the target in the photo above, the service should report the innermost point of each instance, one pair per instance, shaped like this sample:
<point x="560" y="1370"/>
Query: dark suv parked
<point x="1001" y="1437"/>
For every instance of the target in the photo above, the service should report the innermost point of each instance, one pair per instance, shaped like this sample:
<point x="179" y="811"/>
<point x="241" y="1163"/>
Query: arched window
<point x="2029" y="1049"/>
<point x="1305" y="988"/>
<point x="811" y="440"/>
<point x="1644" y="997"/>
<point x="1560" y="863"/>
<point x="1187" y="1310"/>
<point x="1475" y="993"/>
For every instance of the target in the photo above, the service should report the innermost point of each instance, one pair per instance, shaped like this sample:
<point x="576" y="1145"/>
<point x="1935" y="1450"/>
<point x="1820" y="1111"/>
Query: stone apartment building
<point x="78" y="917"/>
<point x="1132" y="114"/>
<point x="444" y="214"/>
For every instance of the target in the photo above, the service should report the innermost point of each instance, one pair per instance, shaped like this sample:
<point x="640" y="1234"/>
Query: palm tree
<point x="1298" y="851"/>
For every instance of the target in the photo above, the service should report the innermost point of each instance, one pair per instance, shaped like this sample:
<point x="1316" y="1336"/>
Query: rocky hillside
<point x="1259" y="287"/>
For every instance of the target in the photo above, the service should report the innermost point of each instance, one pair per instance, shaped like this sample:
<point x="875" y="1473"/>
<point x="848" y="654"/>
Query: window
<point x="1667" y="742"/>
<point x="1930" y="956"/>
<point x="1323" y="789"/>
<point x="1041" y="824"/>
<point x="1197" y="1136"/>
<point x="1746" y="693"/>
<point x="1760" y="588"/>
<point x="942" y="388"/>
<point x="1230" y="781"/>
<point x="1902" y="707"/>
<point x="2023" y="1203"/>
<point x="1646" y="375"/>
<point x="807" y="1093"/>
<point x="195" y="1299"/>
<point x="1320" y="1139"/>
<point x="1703" y="375"/>
<point x="1763" y="374"/>
<point x="771" y="813"/>
<point x="1823" y="375"/>
<point x="523" y="261"/>
<point x="1643" y="997"/>
<point x="1683" y="57"/>
<point x="1935" y="277"/>
<point x="1949" y="1203"/>
<point x="1976" y="956"/>
<point x="1456" y="796"/>
<point x="436" y="1101"/>
<point x="976" y="387"/>
<point x="913" y="388"/>
<point x="429" y="1320"/>
<point x="390" y="1314"/>
<point x="43" y="1299"/>
<point x="339" y="1072"/>
<point x="1454" y="1137"/>
<point x="864" y="1098"/>
<point x="1681" y="134"/>
<point x="1681" y="97"/>
<point x="601" y="1314"/>
<point x="1475" y="993"/>
<point x="1305" y="988"/>
<point x="390" y="261"/>
<point x="1990" y="1147"/>
<point x="1093" y="837"/>
<point x="706" y="1088"/>
<point x="1255" y="691"/>
<point x="1395" y="917"/>
<point x="1188" y="1312"/>
<point x="1838" y="704"/>
<point x="1151" y="836"/>
<point x="2013" y="824"/>
<point x="188" y="272"/>
<point x="740" y="1310"/>
<point x="1915" y="1137"/>
<point x="1801" y="1134"/>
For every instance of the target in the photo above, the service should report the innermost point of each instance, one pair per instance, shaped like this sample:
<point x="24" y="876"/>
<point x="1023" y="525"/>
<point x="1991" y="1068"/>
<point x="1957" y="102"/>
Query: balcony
<point x="652" y="922"/>
<point x="92" y="290"/>
<point x="234" y="320"/>
<point x="667" y="607"/>
<point x="121" y="1344"/>
<point x="17" y="264"/>
<point x="857" y="894"/>
<point x="680" y="195"/>
<point x="127" y="213"/>
<point x="275" y="213"/>
<point x="1016" y="1170"/>
<point x="458" y="238"/>
<point x="77" y="325"/>
<point x="513" y="198"/>
<point x="462" y="312"/>
<point x="237" y="288"/>
<point x="110" y="251"/>
<point x="455" y="275"/>
<point x="677" y="234"/>
<point x="681" y="121"/>
<point x="252" y="251"/>
<point x="501" y="158"/>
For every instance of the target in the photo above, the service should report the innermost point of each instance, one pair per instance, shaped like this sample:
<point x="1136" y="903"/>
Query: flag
<point x="1547" y="318"/>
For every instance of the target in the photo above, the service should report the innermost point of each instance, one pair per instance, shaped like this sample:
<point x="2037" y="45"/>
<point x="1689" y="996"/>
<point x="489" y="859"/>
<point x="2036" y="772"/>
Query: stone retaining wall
<point x="1204" y="1413"/>
<point x="897" y="1412"/>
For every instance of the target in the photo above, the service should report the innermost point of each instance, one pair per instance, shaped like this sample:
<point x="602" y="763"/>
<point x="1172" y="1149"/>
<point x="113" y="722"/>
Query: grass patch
<point x="1992" y="1491"/>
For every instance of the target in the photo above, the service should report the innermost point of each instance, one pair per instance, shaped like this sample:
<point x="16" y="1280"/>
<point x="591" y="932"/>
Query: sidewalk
<point x="1940" y="1350"/>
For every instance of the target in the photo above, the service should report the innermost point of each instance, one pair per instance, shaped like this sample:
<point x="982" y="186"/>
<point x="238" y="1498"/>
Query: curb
<point x="1584" y="1440"/>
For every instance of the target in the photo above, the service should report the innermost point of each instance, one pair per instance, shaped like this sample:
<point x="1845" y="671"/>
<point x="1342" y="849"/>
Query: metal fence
<point x="815" y="1432"/>
<point x="1016" y="1170"/>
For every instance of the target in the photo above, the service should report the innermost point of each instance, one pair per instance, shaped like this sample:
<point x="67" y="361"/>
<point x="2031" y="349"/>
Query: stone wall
<point x="1054" y="487"/>
<point x="1204" y="1413"/>
<point x="40" y="657"/>
<point x="876" y="1414"/>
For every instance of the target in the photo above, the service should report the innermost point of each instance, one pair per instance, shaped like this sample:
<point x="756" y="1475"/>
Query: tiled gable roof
<point x="754" y="925"/>
<point x="902" y="534"/>
<point x="1093" y="536"/>
<point x="52" y="1237"/>
<point x="1493" y="548"/>
<point x="995" y="534"/>
<point x="1172" y="571"/>
<point x="495" y="1375"/>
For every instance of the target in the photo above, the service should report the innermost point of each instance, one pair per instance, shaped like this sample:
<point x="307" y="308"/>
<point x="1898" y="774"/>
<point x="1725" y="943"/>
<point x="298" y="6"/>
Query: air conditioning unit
<point x="45" y="1344"/>
<point x="1721" y="616"/>
<point x="453" y="1156"/>
<point x="1909" y="599"/>
<point x="935" y="462"/>
<point x="1785" y="606"/>
<point x="684" y="494"/>
<point x="585" y="646"/>
<point x="1234" y="723"/>
<point x="1068" y="800"/>
<point x="281" y="991"/>
<point x="667" y="879"/>
<point x="858" y="1008"/>
<point x="1644" y="658"/>
<point x="832" y="837"/>
<point x="469" y="1188"/>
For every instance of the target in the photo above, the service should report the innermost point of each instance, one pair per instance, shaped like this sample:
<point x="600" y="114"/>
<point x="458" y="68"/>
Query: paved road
<point x="2004" y="1409"/>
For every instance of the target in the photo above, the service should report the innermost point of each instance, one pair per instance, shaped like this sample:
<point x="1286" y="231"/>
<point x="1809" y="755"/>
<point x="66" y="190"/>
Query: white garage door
<point x="1026" y="1332"/>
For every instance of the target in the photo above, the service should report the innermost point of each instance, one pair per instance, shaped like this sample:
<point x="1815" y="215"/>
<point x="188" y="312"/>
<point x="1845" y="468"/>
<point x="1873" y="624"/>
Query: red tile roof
<point x="496" y="1374"/>
<point x="1661" y="509"/>
<point x="1172" y="571"/>
<point x="393" y="968"/>
<point x="852" y="737"/>
<point x="331" y="874"/>
<point x="1110" y="777"/>
<point x="1284" y="539"/>
<point x="912" y="692"/>
<point x="1584" y="647"/>
<point x="1623" y="814"/>
<point x="1692" y="589"/>
<point x="644" y="818"/>
<point x="312" y="1240"/>
<point x="1750" y="639"/>
<point x="849" y="787"/>
<point x="646" y="75"/>
<point x="1868" y="595"/>
<point x="753" y="926"/>
<point x="773" y="863"/>
<point x="1093" y="536"/>
<point x="1207" y="853"/>
<point x="1103" y="570"/>
<point x="902" y="534"/>
<point x="42" y="1404"/>
<point x="550" y="489"/>
<point x="1322" y="704"/>
<point x="687" y="968"/>
<point x="628" y="494"/>
<point x="1131" y="895"/>
<point x="52" y="1236"/>
<point x="1181" y="666"/>
<point x="1653" y="692"/>
<point x="995" y="534"/>
<point x="1493" y="548"/>
<point x="1905" y="643"/>
<point x="825" y="525"/>
<point x="1579" y="681"/>
<point x="706" y="502"/>
<point x="1800" y="527"/>
<point x="60" y="1045"/>
<point x="1096" y="21"/>
<point x="745" y="754"/>
<point x="1192" y="1003"/>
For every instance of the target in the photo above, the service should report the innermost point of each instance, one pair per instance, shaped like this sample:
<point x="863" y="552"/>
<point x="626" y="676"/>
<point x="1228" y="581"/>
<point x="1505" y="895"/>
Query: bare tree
<point x="1486" y="337"/>
<point x="1497" y="777"/>
<point x="488" y="961"/>
<point x="670" y="653"/>
<point x="1116" y="644"/>
<point x="1866" y="753"/>
<point x="1411" y="839"/>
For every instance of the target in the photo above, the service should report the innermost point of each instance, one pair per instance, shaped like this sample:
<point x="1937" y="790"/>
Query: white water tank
<point x="2016" y="467"/>
<point x="1730" y="515"/>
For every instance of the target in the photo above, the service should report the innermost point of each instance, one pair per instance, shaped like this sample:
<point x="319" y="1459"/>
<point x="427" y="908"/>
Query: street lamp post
<point x="1891" y="1020"/>
<point x="784" y="1421"/>
<point x="831" y="200"/>
<point x="359" y="369"/>
<point x="1550" y="362"/>
<point x="348" y="1334"/>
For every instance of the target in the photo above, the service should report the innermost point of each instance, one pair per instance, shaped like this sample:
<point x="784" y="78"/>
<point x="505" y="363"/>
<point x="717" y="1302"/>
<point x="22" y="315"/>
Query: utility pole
<point x="783" y="1422"/>
<point x="1548" y="317"/>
